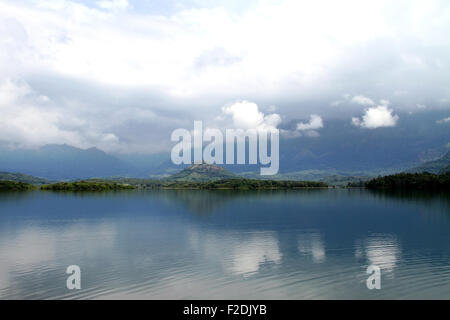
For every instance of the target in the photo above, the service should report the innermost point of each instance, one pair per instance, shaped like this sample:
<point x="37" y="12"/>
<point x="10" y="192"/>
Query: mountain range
<point x="340" y="149"/>
<point x="209" y="172"/>
<point x="59" y="162"/>
<point x="63" y="162"/>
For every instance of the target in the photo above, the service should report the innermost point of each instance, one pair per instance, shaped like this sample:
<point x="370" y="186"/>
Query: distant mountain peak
<point x="202" y="167"/>
<point x="202" y="172"/>
<point x="62" y="162"/>
<point x="95" y="149"/>
<point x="66" y="147"/>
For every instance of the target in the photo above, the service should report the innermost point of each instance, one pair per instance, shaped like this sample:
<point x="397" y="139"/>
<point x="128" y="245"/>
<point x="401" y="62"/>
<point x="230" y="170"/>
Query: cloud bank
<point x="122" y="74"/>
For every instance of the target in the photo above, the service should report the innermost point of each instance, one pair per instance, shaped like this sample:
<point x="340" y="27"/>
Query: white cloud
<point x="246" y="115"/>
<point x="362" y="100"/>
<point x="217" y="57"/>
<point x="24" y="120"/>
<point x="445" y="120"/>
<point x="307" y="129"/>
<point x="10" y="92"/>
<point x="314" y="123"/>
<point x="376" y="117"/>
<point x="113" y="4"/>
<point x="29" y="120"/>
<point x="289" y="134"/>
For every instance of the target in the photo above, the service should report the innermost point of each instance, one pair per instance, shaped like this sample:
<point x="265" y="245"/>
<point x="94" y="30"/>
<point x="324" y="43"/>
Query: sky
<point x="121" y="75"/>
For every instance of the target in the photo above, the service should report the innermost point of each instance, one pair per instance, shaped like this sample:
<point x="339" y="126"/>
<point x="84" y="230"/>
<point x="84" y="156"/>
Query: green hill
<point x="412" y="181"/>
<point x="435" y="166"/>
<point x="6" y="185"/>
<point x="202" y="173"/>
<point x="214" y="184"/>
<point x="247" y="184"/>
<point x="19" y="177"/>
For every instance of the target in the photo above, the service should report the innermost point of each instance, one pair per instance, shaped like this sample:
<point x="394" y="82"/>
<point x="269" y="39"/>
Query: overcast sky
<point x="121" y="75"/>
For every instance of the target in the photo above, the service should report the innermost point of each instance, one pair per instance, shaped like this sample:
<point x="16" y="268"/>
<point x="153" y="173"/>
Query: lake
<point x="172" y="244"/>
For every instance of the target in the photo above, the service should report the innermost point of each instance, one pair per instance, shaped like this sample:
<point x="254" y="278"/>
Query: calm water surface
<point x="171" y="244"/>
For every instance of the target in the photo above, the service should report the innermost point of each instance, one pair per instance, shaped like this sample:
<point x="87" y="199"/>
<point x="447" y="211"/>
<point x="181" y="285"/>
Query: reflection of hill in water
<point x="412" y="195"/>
<point x="207" y="202"/>
<point x="201" y="202"/>
<point x="14" y="196"/>
<point x="437" y="199"/>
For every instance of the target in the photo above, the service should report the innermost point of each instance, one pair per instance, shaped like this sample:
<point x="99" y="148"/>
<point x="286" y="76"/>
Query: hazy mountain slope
<point x="150" y="165"/>
<point x="437" y="166"/>
<point x="19" y="177"/>
<point x="63" y="162"/>
<point x="343" y="148"/>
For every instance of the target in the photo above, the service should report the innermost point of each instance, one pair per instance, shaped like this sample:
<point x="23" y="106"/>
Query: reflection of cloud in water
<point x="240" y="254"/>
<point x="29" y="247"/>
<point x="81" y="237"/>
<point x="34" y="250"/>
<point x="312" y="244"/>
<point x="380" y="250"/>
<point x="249" y="254"/>
<point x="24" y="252"/>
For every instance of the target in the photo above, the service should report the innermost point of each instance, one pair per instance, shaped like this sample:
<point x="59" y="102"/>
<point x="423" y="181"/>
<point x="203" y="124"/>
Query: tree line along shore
<point x="131" y="184"/>
<point x="403" y="181"/>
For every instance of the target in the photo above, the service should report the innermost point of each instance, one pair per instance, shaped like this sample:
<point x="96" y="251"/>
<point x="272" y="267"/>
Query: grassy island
<point x="86" y="186"/>
<point x="230" y="184"/>
<point x="244" y="184"/>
